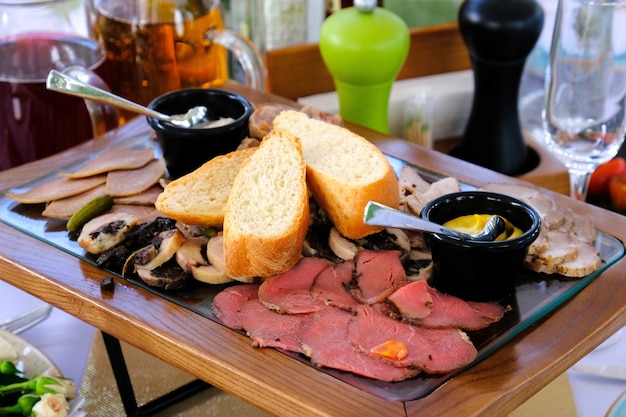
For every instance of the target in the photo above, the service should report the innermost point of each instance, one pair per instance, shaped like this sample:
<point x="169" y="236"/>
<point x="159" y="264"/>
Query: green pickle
<point x="90" y="210"/>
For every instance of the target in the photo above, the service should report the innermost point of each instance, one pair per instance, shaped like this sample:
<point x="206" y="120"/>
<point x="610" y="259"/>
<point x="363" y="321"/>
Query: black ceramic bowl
<point x="477" y="270"/>
<point x="185" y="149"/>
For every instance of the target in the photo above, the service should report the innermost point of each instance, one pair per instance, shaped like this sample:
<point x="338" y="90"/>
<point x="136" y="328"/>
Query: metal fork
<point x="27" y="320"/>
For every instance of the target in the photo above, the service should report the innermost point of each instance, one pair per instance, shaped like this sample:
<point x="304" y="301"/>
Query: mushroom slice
<point x="190" y="253"/>
<point x="401" y="238"/>
<point x="210" y="274"/>
<point x="341" y="246"/>
<point x="215" y="252"/>
<point x="169" y="276"/>
<point x="104" y="232"/>
<point x="166" y="245"/>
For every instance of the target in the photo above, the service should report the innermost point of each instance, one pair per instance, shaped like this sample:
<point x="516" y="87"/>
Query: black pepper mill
<point x="500" y="35"/>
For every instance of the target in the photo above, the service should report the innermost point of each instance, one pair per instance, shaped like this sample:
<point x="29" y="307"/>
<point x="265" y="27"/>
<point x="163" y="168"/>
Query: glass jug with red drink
<point x="35" y="37"/>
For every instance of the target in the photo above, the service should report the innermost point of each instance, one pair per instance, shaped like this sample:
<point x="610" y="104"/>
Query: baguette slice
<point x="199" y="198"/>
<point x="344" y="171"/>
<point x="267" y="213"/>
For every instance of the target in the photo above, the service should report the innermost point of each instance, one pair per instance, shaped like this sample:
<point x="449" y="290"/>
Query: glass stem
<point x="578" y="184"/>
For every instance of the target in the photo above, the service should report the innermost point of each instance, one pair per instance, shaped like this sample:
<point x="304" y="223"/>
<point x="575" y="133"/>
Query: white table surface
<point x="67" y="341"/>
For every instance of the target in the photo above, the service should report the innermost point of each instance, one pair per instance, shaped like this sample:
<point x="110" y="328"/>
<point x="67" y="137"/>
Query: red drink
<point x="36" y="122"/>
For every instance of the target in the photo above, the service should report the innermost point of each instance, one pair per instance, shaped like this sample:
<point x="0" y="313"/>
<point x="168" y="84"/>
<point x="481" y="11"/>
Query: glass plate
<point x="536" y="295"/>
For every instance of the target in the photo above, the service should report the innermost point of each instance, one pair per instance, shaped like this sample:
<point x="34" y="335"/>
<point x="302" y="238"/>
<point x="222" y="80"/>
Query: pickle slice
<point x="90" y="210"/>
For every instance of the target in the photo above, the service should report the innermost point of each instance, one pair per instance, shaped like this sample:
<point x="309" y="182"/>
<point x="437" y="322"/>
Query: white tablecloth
<point x="67" y="341"/>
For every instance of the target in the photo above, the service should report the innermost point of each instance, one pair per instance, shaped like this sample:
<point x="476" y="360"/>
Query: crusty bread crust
<point x="344" y="171"/>
<point x="267" y="213"/>
<point x="199" y="198"/>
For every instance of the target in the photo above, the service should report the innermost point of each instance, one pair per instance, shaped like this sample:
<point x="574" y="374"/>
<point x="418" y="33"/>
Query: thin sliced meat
<point x="413" y="300"/>
<point x="378" y="274"/>
<point x="144" y="198"/>
<point x="57" y="189"/>
<point x="228" y="303"/>
<point x="330" y="286"/>
<point x="324" y="339"/>
<point x="66" y="207"/>
<point x="436" y="351"/>
<point x="290" y="292"/>
<point x="268" y="328"/>
<point x="123" y="183"/>
<point x="112" y="160"/>
<point x="446" y="311"/>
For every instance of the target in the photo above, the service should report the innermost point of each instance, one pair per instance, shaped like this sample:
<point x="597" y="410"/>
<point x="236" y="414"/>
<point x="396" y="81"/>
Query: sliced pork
<point x="324" y="339"/>
<point x="290" y="292"/>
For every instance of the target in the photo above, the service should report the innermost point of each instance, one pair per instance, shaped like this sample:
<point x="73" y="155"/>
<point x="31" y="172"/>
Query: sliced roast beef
<point x="324" y="339"/>
<point x="413" y="300"/>
<point x="433" y="350"/>
<point x="378" y="274"/>
<point x="290" y="292"/>
<point x="228" y="303"/>
<point x="268" y="328"/>
<point x="330" y="286"/>
<point x="420" y="304"/>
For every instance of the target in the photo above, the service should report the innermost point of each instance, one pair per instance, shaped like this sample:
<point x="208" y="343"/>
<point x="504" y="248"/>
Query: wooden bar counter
<point x="277" y="383"/>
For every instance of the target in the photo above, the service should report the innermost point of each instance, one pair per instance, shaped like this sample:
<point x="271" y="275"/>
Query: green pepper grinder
<point x="364" y="47"/>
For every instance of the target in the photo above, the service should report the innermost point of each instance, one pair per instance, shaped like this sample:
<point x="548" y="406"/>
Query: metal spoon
<point x="376" y="214"/>
<point x="63" y="84"/>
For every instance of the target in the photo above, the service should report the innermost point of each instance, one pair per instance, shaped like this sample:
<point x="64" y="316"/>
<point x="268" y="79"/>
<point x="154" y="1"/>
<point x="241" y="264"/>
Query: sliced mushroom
<point x="401" y="238"/>
<point x="210" y="274"/>
<point x="171" y="240"/>
<point x="215" y="252"/>
<point x="169" y="276"/>
<point x="104" y="232"/>
<point x="341" y="246"/>
<point x="190" y="253"/>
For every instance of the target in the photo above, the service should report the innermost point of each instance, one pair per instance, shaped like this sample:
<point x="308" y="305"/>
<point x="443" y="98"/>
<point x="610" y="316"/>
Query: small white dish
<point x="618" y="409"/>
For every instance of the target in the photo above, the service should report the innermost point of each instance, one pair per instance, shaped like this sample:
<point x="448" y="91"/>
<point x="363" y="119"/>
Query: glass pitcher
<point x="35" y="37"/>
<point x="156" y="46"/>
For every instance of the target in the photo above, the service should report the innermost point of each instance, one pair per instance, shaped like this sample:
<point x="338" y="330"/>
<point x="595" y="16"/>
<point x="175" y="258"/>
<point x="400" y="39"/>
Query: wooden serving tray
<point x="536" y="295"/>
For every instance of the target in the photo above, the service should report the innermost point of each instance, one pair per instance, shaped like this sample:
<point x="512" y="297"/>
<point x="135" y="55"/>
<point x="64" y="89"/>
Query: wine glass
<point x="585" y="115"/>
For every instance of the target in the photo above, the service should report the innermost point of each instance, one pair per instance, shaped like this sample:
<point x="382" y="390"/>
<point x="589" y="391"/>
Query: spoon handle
<point x="63" y="84"/>
<point x="376" y="214"/>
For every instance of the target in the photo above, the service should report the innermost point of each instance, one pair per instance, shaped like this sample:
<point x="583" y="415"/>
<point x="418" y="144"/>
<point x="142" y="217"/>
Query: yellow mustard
<point x="474" y="223"/>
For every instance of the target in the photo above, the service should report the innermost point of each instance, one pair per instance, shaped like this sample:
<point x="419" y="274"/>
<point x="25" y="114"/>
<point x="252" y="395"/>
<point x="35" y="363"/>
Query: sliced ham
<point x="57" y="189"/>
<point x="324" y="339"/>
<point x="113" y="159"/>
<point x="330" y="286"/>
<point x="290" y="292"/>
<point x="436" y="351"/>
<point x="378" y="274"/>
<point x="123" y="183"/>
<point x="228" y="303"/>
<point x="66" y="207"/>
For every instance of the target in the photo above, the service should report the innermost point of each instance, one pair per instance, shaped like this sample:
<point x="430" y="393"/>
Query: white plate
<point x="32" y="361"/>
<point x="618" y="409"/>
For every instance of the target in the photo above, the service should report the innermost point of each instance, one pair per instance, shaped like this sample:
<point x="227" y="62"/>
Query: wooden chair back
<point x="299" y="71"/>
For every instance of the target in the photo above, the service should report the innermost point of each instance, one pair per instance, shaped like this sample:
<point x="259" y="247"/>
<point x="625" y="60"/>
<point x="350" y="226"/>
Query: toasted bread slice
<point x="267" y="213"/>
<point x="344" y="171"/>
<point x="199" y="198"/>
